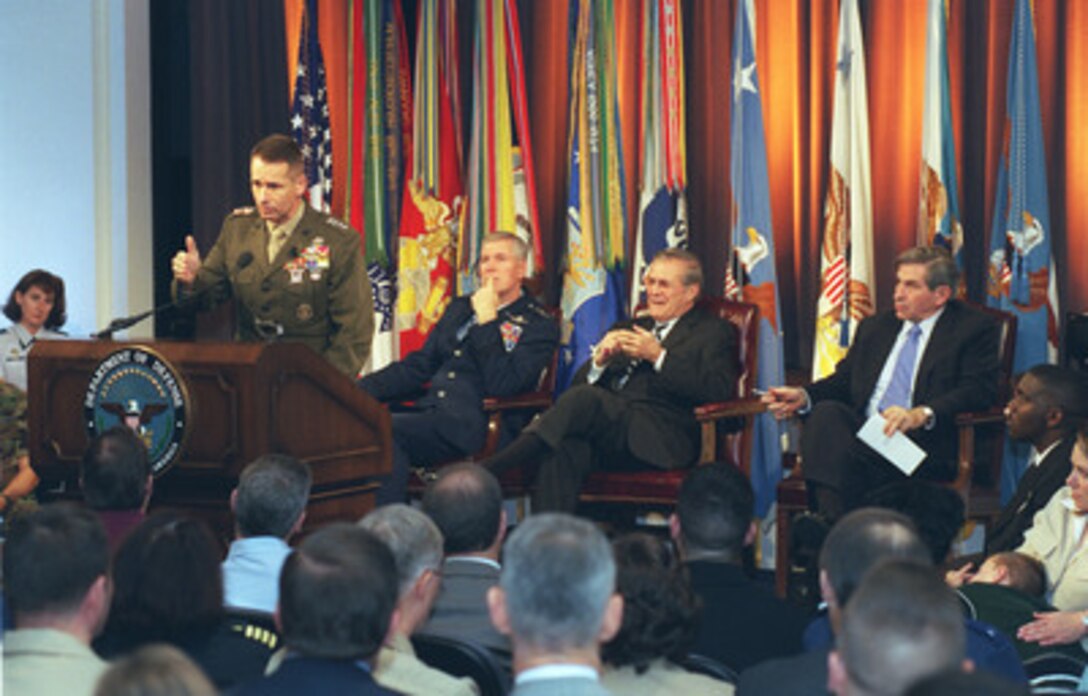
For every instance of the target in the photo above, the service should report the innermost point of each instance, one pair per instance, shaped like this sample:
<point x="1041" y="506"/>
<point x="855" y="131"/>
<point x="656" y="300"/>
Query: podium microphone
<point x="126" y="322"/>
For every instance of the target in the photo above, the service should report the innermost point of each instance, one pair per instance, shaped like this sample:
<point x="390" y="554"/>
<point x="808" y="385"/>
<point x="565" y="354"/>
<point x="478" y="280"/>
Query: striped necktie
<point x="658" y="331"/>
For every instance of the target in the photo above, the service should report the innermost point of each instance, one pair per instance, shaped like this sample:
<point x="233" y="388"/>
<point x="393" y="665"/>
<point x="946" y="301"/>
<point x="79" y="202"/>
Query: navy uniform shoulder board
<point x="253" y="631"/>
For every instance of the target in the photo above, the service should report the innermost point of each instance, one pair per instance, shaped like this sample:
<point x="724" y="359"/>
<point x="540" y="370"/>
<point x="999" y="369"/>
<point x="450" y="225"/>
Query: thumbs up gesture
<point x="187" y="263"/>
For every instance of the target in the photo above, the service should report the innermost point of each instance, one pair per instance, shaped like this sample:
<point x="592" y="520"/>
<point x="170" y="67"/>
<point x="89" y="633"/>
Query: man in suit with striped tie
<point x="631" y="403"/>
<point x="918" y="365"/>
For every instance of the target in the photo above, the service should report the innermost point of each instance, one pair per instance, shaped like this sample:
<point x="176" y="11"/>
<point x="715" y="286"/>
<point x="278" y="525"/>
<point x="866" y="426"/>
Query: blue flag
<point x="938" y="202"/>
<point x="310" y="112"/>
<point x="1021" y="270"/>
<point x="593" y="279"/>
<point x="751" y="270"/>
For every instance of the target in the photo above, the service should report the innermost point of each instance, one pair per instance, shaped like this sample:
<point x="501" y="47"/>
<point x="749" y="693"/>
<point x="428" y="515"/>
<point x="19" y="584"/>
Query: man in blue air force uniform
<point x="494" y="343"/>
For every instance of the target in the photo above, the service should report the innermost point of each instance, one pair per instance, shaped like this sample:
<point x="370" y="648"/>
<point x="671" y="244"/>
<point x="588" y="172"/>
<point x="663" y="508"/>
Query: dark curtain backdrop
<point x="795" y="51"/>
<point x="217" y="88"/>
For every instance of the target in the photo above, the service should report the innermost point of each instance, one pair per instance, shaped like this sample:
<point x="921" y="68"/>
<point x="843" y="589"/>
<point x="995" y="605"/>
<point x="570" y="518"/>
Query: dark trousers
<point x="837" y="464"/>
<point x="418" y="440"/>
<point x="585" y="430"/>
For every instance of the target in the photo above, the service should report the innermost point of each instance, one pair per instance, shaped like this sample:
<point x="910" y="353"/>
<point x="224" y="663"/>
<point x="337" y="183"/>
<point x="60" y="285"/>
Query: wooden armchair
<point x="726" y="427"/>
<point x="981" y="439"/>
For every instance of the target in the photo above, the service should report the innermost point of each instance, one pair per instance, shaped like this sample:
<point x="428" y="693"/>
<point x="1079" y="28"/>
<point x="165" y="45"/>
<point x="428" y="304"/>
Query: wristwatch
<point x="931" y="417"/>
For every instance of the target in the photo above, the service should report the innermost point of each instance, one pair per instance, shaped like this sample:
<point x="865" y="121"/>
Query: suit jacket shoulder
<point x="799" y="675"/>
<point x="742" y="622"/>
<point x="461" y="612"/>
<point x="662" y="677"/>
<point x="1035" y="488"/>
<point x="399" y="669"/>
<point x="301" y="675"/>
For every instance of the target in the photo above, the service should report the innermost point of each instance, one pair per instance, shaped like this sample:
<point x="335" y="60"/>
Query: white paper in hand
<point x="897" y="449"/>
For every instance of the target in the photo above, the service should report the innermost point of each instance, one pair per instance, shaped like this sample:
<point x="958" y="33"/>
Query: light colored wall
<point x="75" y="183"/>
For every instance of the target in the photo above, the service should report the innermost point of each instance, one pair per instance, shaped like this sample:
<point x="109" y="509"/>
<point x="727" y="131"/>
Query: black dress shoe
<point x="807" y="533"/>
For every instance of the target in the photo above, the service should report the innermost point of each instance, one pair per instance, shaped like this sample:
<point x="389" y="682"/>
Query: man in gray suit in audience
<point x="465" y="502"/>
<point x="557" y="600"/>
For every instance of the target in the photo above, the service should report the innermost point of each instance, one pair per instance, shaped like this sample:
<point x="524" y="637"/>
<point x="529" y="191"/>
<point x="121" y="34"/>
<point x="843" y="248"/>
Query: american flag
<point x="835" y="280"/>
<point x="310" y="112"/>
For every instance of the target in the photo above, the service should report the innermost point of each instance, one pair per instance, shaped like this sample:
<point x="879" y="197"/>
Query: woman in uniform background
<point x="37" y="309"/>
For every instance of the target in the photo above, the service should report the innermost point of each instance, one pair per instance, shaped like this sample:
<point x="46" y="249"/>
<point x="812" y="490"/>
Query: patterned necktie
<point x="621" y="382"/>
<point x="898" y="392"/>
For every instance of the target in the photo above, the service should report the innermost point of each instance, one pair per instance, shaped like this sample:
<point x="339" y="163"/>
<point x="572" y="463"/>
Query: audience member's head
<point x="556" y="595"/>
<point x="115" y="473"/>
<point x="858" y="542"/>
<point x="167" y="583"/>
<point x="936" y="511"/>
<point x="271" y="497"/>
<point x="155" y="670"/>
<point x="338" y="590"/>
<point x="1047" y="399"/>
<point x="903" y="623"/>
<point x="714" y="512"/>
<point x="465" y="501"/>
<point x="1077" y="481"/>
<point x="956" y="682"/>
<point x="416" y="544"/>
<point x="1016" y="570"/>
<point x="659" y="607"/>
<point x="56" y="566"/>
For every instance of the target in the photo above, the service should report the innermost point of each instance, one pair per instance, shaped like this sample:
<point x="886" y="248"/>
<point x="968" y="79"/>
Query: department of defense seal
<point x="139" y="389"/>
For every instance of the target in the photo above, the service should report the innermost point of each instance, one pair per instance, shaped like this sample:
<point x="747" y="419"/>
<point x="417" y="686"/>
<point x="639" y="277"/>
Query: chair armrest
<point x="970" y="420"/>
<point x="735" y="408"/>
<point x="539" y="399"/>
<point x="741" y="413"/>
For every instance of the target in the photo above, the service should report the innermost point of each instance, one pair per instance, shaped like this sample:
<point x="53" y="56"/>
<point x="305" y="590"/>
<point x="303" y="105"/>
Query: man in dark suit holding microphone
<point x="298" y="274"/>
<point x="918" y="366"/>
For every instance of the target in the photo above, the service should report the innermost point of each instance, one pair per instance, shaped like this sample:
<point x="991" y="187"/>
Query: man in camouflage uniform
<point x="17" y="479"/>
<point x="298" y="274"/>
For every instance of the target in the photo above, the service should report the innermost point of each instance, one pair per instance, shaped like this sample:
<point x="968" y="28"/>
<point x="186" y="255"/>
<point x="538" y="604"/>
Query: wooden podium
<point x="245" y="400"/>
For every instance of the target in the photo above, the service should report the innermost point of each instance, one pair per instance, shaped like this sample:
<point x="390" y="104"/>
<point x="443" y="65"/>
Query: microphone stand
<point x="123" y="323"/>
